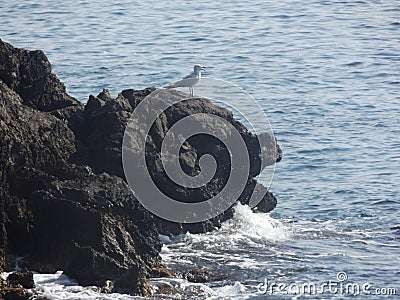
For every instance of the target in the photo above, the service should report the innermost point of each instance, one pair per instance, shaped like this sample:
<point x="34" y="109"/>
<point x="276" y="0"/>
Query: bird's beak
<point x="203" y="68"/>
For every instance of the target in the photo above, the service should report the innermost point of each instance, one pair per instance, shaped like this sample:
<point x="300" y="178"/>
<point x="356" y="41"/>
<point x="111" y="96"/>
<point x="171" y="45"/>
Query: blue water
<point x="326" y="74"/>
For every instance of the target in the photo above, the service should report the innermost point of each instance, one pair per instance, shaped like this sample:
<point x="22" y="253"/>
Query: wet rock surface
<point x="200" y="276"/>
<point x="101" y="144"/>
<point x="23" y="278"/>
<point x="15" y="288"/>
<point x="55" y="213"/>
<point x="64" y="201"/>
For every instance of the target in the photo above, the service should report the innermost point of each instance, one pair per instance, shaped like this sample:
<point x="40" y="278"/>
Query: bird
<point x="190" y="80"/>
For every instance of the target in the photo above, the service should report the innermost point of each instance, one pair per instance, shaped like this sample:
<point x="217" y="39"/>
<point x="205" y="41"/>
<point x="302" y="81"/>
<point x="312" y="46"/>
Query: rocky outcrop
<point x="16" y="286"/>
<point x="28" y="73"/>
<point x="56" y="214"/>
<point x="64" y="201"/>
<point x="100" y="130"/>
<point x="21" y="277"/>
<point x="14" y="291"/>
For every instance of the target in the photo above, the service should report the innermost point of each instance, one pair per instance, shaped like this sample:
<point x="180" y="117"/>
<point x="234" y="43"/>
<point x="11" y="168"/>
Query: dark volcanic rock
<point x="28" y="73"/>
<point x="101" y="130"/>
<point x="64" y="201"/>
<point x="109" y="236"/>
<point x="57" y="214"/>
<point x="200" y="276"/>
<point x="14" y="290"/>
<point x="23" y="278"/>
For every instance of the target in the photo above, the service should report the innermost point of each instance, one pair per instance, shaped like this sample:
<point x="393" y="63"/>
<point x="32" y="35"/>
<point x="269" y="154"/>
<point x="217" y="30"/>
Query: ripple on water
<point x="325" y="73"/>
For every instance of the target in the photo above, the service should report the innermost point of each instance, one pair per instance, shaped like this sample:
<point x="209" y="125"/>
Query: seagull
<point x="190" y="80"/>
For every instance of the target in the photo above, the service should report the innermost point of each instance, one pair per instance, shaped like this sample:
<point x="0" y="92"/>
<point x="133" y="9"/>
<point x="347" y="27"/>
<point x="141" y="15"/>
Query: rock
<point x="104" y="232"/>
<point x="13" y="291"/>
<point x="23" y="278"/>
<point x="200" y="276"/>
<point x="64" y="201"/>
<point x="28" y="73"/>
<point x="57" y="214"/>
<point x="102" y="128"/>
<point x="196" y="276"/>
<point x="33" y="143"/>
<point x="99" y="131"/>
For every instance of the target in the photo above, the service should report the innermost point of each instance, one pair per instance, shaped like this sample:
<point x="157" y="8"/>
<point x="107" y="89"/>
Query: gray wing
<point x="191" y="75"/>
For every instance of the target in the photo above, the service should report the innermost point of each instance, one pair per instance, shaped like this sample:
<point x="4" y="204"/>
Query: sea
<point x="327" y="76"/>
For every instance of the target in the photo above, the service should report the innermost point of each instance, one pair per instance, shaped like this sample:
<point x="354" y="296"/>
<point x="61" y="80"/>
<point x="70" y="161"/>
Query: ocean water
<point x="326" y="73"/>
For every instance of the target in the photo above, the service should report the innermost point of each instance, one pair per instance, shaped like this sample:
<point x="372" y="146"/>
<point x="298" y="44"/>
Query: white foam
<point x="58" y="286"/>
<point x="175" y="288"/>
<point x="222" y="247"/>
<point x="235" y="291"/>
<point x="246" y="225"/>
<point x="259" y="226"/>
<point x="4" y="275"/>
<point x="165" y="239"/>
<point x="245" y="228"/>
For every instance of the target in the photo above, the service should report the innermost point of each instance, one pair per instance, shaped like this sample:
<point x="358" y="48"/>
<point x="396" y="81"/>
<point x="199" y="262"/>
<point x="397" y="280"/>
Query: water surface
<point x="326" y="74"/>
